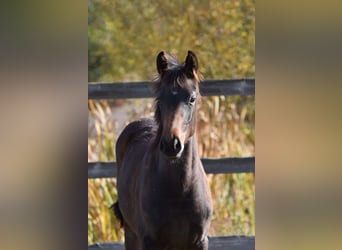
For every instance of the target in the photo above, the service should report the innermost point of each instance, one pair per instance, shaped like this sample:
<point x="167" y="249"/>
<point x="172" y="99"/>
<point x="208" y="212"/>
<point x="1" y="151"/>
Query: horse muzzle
<point x="172" y="148"/>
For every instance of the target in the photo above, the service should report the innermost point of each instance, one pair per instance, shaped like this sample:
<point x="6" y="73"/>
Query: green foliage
<point x="124" y="38"/>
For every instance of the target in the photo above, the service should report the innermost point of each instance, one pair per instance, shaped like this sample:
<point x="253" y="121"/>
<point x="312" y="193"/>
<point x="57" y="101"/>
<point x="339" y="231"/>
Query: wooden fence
<point x="211" y="165"/>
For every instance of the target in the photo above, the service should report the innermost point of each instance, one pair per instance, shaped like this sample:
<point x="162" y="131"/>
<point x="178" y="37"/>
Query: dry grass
<point x="225" y="129"/>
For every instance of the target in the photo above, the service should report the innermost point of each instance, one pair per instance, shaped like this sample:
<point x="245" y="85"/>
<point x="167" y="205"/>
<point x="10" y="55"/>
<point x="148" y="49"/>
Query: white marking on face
<point x="174" y="92"/>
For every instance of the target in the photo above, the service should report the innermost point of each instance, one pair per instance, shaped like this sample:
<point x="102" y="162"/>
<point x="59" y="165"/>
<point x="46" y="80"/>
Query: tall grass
<point x="225" y="129"/>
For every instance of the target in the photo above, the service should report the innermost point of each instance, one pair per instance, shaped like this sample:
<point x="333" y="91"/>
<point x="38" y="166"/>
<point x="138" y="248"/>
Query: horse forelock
<point x="174" y="75"/>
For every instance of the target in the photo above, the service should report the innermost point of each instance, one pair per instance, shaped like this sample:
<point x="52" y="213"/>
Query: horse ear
<point x="161" y="63"/>
<point x="191" y="64"/>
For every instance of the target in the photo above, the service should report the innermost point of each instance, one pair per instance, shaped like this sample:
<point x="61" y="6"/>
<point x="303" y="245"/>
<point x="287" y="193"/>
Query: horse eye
<point x="192" y="100"/>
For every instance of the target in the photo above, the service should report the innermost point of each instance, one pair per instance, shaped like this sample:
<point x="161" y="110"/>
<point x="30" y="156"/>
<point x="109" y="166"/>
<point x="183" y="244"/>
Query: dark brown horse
<point x="163" y="197"/>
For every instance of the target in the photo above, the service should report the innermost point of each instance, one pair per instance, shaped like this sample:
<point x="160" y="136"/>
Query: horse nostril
<point x="171" y="147"/>
<point x="176" y="143"/>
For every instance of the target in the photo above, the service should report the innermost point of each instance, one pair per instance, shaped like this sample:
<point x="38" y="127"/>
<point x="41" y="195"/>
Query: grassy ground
<point x="225" y="129"/>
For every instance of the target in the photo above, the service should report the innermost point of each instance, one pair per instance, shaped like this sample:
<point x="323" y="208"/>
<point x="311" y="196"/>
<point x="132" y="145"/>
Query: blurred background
<point x="44" y="113"/>
<point x="124" y="38"/>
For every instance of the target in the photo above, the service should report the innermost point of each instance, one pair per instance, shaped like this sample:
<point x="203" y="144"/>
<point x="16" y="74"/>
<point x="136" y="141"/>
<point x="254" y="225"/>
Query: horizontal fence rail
<point x="215" y="243"/>
<point x="211" y="166"/>
<point x="144" y="89"/>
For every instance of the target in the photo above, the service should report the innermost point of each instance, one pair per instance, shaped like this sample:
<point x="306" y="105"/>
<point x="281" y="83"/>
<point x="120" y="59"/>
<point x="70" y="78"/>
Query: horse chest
<point x="177" y="221"/>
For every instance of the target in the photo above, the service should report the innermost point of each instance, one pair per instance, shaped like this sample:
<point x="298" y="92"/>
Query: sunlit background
<point x="124" y="38"/>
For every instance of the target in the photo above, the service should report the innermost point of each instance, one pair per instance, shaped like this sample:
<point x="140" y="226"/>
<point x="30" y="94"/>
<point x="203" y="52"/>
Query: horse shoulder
<point x="132" y="132"/>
